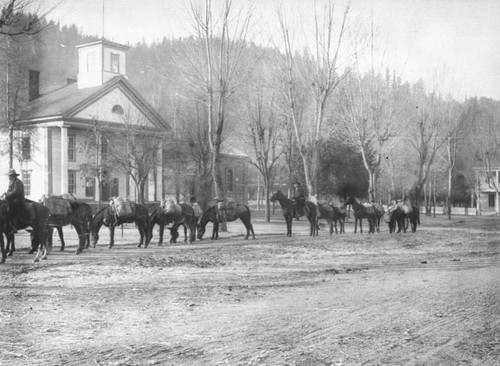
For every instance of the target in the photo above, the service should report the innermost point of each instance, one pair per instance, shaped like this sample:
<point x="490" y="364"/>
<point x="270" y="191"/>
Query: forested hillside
<point x="381" y="135"/>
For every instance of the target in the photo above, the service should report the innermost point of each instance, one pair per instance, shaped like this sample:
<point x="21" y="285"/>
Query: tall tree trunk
<point x="448" y="196"/>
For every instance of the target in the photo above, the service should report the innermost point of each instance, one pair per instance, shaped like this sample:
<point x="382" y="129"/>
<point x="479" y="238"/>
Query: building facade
<point x="487" y="187"/>
<point x="58" y="125"/>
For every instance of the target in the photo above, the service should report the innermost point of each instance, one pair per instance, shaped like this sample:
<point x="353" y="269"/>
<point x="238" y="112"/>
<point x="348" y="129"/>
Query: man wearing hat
<point x="299" y="197"/>
<point x="15" y="198"/>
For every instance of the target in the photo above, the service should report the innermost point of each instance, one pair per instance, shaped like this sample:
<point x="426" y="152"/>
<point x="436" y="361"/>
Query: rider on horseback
<point x="15" y="199"/>
<point x="299" y="198"/>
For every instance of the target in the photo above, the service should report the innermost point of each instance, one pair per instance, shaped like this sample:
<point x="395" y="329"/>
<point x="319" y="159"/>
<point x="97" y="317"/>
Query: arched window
<point x="229" y="180"/>
<point x="118" y="109"/>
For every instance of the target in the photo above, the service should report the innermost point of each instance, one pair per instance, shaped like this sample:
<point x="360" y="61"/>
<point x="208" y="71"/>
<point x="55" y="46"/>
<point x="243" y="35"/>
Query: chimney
<point x="34" y="85"/>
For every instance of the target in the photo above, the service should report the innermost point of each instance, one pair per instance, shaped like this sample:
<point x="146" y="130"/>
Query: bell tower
<point x="100" y="61"/>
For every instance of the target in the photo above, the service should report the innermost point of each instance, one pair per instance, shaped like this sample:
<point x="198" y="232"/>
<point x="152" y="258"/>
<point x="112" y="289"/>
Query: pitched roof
<point x="65" y="102"/>
<point x="227" y="149"/>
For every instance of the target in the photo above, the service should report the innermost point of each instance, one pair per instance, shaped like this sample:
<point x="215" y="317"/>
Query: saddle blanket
<point x="405" y="206"/>
<point x="226" y="209"/>
<point x="226" y="204"/>
<point x="170" y="207"/>
<point x="312" y="198"/>
<point x="57" y="205"/>
<point x="325" y="205"/>
<point x="121" y="206"/>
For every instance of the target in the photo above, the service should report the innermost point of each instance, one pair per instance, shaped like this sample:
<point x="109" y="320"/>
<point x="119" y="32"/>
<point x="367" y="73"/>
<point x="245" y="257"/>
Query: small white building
<point x="50" y="159"/>
<point x="487" y="186"/>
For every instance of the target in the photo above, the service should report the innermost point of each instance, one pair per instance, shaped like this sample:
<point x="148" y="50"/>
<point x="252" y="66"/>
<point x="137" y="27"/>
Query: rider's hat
<point x="296" y="182"/>
<point x="12" y="172"/>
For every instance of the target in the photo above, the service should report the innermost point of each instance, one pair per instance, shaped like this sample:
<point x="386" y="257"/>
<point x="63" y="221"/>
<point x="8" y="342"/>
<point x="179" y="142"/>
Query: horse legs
<point x="288" y="220"/>
<point x="185" y="233"/>
<point x="215" y="231"/>
<point x="61" y="237"/>
<point x="81" y="238"/>
<point x="160" y="234"/>
<point x="413" y="223"/>
<point x="11" y="247"/>
<point x="50" y="233"/>
<point x="192" y="232"/>
<point x="251" y="230"/>
<point x="39" y="240"/>
<point x="249" y="227"/>
<point x="111" y="236"/>
<point x="2" y="249"/>
<point x="142" y="234"/>
<point x="86" y="236"/>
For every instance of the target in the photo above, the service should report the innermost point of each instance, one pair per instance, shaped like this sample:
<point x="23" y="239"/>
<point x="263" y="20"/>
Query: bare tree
<point x="130" y="148"/>
<point x="14" y="94"/>
<point x="310" y="85"/>
<point x="23" y="17"/>
<point x="426" y="135"/>
<point x="455" y="120"/>
<point x="91" y="146"/>
<point x="191" y="151"/>
<point x="214" y="69"/>
<point x="368" y="108"/>
<point x="263" y="131"/>
<point x="19" y="21"/>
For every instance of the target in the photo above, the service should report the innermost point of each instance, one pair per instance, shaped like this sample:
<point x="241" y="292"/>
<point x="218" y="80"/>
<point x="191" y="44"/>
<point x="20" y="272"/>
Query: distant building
<point x="234" y="173"/>
<point x="488" y="199"/>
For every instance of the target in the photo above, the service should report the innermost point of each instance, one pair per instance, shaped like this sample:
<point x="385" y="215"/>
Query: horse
<point x="108" y="216"/>
<point x="79" y="216"/>
<point x="338" y="215"/>
<point x="402" y="213"/>
<point x="37" y="217"/>
<point x="396" y="217"/>
<point x="310" y="211"/>
<point x="325" y="211"/>
<point x="186" y="218"/>
<point x="211" y="214"/>
<point x="362" y="212"/>
<point x="379" y="211"/>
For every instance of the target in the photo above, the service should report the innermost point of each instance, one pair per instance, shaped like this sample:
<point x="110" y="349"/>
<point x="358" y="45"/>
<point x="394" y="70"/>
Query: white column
<point x="64" y="160"/>
<point x="159" y="174"/>
<point x="97" y="190"/>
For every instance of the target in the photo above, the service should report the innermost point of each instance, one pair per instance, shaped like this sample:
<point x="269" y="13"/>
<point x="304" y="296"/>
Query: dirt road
<point x="430" y="298"/>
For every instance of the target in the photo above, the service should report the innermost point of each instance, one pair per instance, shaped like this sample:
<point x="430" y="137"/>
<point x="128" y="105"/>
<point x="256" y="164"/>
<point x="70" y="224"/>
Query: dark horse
<point x="333" y="215"/>
<point x="241" y="212"/>
<point x="363" y="212"/>
<point x="287" y="205"/>
<point x="400" y="214"/>
<point x="186" y="218"/>
<point x="338" y="216"/>
<point x="325" y="212"/>
<point x="36" y="217"/>
<point x="108" y="217"/>
<point x="79" y="217"/>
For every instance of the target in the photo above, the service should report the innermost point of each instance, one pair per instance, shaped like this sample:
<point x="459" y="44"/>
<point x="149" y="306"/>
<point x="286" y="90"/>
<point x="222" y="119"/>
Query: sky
<point x="453" y="45"/>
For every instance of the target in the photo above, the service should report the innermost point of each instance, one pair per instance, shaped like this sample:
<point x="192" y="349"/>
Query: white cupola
<point x="100" y="61"/>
